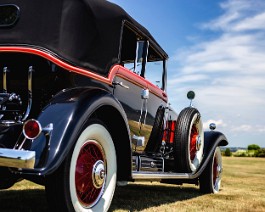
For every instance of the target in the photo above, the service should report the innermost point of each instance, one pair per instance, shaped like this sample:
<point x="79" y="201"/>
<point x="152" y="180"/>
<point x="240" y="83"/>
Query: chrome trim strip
<point x="172" y="175"/>
<point x="5" y="70"/>
<point x="159" y="175"/>
<point x="17" y="158"/>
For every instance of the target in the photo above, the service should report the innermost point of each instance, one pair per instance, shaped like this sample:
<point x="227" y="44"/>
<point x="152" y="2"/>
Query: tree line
<point x="253" y="150"/>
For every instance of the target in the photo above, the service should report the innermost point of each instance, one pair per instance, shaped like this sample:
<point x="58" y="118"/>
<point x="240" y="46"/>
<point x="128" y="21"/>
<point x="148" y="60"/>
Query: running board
<point x="159" y="176"/>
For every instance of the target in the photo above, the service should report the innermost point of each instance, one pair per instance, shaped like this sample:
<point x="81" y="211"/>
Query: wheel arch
<point x="70" y="111"/>
<point x="120" y="136"/>
<point x="212" y="139"/>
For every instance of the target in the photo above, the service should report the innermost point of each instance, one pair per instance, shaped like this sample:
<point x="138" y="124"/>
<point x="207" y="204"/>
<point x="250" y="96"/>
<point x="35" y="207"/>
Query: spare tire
<point x="156" y="135"/>
<point x="188" y="141"/>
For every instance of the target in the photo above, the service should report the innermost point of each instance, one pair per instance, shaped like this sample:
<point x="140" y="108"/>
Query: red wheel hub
<point x="215" y="170"/>
<point x="194" y="137"/>
<point x="90" y="174"/>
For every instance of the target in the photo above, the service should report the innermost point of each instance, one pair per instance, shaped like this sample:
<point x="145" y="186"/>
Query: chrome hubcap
<point x="198" y="143"/>
<point x="98" y="175"/>
<point x="219" y="170"/>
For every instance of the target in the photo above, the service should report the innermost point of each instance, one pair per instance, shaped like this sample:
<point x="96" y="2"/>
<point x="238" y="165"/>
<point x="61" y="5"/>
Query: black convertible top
<point x="86" y="33"/>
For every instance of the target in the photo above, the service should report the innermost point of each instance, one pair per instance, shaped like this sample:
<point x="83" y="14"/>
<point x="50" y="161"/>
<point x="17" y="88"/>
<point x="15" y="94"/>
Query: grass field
<point x="243" y="189"/>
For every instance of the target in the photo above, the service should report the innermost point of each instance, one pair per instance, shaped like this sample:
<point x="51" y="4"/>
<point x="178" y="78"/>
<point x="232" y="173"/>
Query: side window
<point x="140" y="57"/>
<point x="138" y="65"/>
<point x="128" y="48"/>
<point x="154" y="73"/>
<point x="129" y="65"/>
<point x="154" y="68"/>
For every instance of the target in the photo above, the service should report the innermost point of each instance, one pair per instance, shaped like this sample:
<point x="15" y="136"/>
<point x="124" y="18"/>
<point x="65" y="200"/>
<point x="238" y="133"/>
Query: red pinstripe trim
<point x="63" y="64"/>
<point x="117" y="69"/>
<point x="138" y="80"/>
<point x="132" y="77"/>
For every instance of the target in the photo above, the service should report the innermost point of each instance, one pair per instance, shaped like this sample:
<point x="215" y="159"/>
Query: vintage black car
<point x="83" y="106"/>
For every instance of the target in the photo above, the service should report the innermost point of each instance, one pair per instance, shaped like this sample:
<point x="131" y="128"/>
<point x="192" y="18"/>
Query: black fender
<point x="212" y="139"/>
<point x="69" y="112"/>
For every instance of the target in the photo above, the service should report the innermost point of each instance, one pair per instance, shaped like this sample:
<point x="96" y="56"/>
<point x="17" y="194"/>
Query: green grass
<point x="243" y="189"/>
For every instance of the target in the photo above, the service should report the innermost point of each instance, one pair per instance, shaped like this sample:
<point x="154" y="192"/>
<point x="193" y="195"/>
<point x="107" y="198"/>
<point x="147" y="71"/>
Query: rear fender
<point x="68" y="112"/>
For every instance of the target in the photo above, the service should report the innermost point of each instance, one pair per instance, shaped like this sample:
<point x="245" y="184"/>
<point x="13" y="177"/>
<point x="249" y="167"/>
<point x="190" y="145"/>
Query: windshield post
<point x="164" y="86"/>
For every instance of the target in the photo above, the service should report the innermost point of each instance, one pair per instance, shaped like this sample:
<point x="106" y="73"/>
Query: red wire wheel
<point x="87" y="179"/>
<point x="90" y="174"/>
<point x="215" y="169"/>
<point x="188" y="141"/>
<point x="210" y="179"/>
<point x="193" y="142"/>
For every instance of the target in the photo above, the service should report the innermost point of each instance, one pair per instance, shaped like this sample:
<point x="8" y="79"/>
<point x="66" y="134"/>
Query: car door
<point x="131" y="89"/>
<point x="128" y="90"/>
<point x="155" y="75"/>
<point x="135" y="86"/>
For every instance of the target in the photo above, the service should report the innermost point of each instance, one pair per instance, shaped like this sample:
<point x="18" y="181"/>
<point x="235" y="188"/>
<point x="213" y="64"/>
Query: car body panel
<point x="87" y="60"/>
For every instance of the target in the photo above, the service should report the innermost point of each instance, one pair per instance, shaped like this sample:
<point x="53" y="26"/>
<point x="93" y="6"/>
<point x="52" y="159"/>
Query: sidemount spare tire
<point x="188" y="141"/>
<point x="156" y="135"/>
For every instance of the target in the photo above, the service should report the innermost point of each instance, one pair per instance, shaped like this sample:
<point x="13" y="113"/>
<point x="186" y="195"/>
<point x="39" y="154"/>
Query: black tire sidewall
<point x="206" y="179"/>
<point x="185" y="121"/>
<point x="60" y="187"/>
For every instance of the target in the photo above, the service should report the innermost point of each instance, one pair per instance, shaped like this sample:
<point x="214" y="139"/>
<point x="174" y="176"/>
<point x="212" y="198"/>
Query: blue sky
<point x="217" y="49"/>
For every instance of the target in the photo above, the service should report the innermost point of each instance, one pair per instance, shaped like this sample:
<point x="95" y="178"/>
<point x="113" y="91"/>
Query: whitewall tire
<point x="188" y="141"/>
<point x="87" y="180"/>
<point x="210" y="179"/>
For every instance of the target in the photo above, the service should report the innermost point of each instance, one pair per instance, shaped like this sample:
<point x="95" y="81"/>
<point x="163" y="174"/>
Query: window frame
<point x="138" y="36"/>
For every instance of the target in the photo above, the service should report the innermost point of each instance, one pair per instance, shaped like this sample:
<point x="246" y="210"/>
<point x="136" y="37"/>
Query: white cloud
<point x="228" y="72"/>
<point x="243" y="128"/>
<point x="238" y="15"/>
<point x="230" y="52"/>
<point x="249" y="128"/>
<point x="253" y="23"/>
<point x="187" y="78"/>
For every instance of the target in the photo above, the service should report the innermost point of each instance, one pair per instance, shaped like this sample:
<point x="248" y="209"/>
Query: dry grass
<point x="243" y="190"/>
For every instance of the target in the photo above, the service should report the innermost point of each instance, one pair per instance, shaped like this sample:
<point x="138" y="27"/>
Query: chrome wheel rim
<point x="217" y="171"/>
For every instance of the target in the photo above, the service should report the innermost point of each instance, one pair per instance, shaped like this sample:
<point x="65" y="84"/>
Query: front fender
<point x="68" y="112"/>
<point x="212" y="139"/>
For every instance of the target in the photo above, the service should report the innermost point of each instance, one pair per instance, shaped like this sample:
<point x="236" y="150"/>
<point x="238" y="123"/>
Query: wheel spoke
<point x="193" y="138"/>
<point x="83" y="177"/>
<point x="90" y="162"/>
<point x="215" y="170"/>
